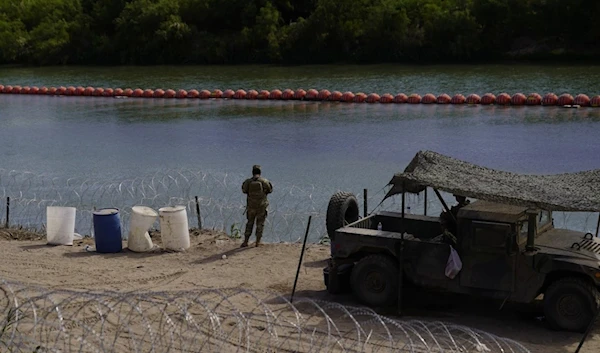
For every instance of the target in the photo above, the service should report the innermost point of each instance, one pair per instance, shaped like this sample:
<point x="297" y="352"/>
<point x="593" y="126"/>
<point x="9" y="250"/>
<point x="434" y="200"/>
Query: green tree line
<point x="48" y="32"/>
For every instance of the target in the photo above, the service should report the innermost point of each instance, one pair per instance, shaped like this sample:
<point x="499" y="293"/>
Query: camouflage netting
<point x="577" y="192"/>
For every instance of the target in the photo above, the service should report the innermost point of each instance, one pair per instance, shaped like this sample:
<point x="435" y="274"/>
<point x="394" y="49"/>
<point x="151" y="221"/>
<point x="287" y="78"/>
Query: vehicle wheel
<point x="342" y="210"/>
<point x="374" y="281"/>
<point x="571" y="304"/>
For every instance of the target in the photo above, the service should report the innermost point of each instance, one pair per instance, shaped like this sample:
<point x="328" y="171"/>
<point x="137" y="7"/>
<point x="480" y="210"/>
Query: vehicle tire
<point x="571" y="304"/>
<point x="342" y="210"/>
<point x="374" y="281"/>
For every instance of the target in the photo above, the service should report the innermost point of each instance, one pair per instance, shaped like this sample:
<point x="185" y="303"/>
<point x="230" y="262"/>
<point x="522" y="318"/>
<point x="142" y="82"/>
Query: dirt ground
<point x="25" y="257"/>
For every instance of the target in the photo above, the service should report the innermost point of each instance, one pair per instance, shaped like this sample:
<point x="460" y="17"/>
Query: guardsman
<point x="256" y="188"/>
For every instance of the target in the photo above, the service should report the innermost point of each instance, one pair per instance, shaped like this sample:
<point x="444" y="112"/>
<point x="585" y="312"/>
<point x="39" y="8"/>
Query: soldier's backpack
<point x="255" y="189"/>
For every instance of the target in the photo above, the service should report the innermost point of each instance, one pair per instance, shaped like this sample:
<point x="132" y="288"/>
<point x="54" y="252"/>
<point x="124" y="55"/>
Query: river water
<point x="73" y="145"/>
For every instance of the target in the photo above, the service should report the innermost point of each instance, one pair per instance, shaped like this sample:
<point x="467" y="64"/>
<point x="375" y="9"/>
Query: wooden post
<point x="198" y="214"/>
<point x="300" y="261"/>
<point x="444" y="204"/>
<point x="587" y="331"/>
<point x="7" y="211"/>
<point x="425" y="203"/>
<point x="365" y="202"/>
<point x="401" y="255"/>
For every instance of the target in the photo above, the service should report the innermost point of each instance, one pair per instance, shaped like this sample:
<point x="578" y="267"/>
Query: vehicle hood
<point x="569" y="243"/>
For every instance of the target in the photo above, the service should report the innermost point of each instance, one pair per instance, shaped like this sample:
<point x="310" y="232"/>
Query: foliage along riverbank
<point x="48" y="32"/>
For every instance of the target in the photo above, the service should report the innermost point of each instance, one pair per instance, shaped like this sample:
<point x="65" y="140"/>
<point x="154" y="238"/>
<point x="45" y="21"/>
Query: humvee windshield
<point x="543" y="220"/>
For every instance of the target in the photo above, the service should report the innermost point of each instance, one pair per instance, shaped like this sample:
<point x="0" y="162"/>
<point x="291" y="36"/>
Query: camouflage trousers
<point x="259" y="215"/>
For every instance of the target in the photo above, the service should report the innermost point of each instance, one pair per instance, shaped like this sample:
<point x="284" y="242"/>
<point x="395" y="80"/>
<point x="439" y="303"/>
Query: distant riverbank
<point x="199" y="32"/>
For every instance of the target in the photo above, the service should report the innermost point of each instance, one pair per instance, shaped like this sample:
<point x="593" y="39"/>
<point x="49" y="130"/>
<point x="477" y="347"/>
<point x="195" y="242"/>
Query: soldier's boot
<point x="245" y="243"/>
<point x="258" y="243"/>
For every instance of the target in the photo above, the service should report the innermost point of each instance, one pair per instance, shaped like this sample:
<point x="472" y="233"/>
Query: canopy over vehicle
<point x="503" y="245"/>
<point x="576" y="192"/>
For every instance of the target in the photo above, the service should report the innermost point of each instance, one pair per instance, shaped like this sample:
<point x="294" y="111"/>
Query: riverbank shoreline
<point x="215" y="261"/>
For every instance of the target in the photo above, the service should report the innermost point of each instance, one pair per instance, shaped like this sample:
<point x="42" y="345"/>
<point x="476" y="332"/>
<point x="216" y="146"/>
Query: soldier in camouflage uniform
<point x="448" y="222"/>
<point x="257" y="188"/>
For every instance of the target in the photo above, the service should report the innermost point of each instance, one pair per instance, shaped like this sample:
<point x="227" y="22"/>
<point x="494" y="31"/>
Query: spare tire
<point x="342" y="210"/>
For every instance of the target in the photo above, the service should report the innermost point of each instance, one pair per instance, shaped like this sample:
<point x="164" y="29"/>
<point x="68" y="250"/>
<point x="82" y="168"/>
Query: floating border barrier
<point x="517" y="99"/>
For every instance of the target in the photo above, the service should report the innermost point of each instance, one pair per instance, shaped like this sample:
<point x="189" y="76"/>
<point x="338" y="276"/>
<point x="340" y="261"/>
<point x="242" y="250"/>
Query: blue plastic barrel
<point x="107" y="230"/>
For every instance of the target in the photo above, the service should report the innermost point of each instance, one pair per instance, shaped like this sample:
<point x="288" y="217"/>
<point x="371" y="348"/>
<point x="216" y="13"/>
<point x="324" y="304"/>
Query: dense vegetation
<point x="45" y="32"/>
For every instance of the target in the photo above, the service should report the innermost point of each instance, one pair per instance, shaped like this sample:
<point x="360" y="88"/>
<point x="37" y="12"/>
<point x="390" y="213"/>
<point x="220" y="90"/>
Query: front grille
<point x="590" y="245"/>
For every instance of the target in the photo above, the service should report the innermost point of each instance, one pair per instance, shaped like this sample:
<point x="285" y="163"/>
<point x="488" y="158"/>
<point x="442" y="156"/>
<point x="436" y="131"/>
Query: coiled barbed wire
<point x="220" y="199"/>
<point x="34" y="319"/>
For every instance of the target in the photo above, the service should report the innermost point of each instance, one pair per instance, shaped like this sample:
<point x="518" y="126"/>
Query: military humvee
<point x="507" y="243"/>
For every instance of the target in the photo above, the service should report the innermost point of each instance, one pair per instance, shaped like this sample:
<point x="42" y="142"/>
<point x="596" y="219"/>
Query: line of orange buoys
<point x="549" y="99"/>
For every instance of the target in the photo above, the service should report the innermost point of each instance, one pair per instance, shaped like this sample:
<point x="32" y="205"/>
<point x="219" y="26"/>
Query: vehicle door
<point x="489" y="256"/>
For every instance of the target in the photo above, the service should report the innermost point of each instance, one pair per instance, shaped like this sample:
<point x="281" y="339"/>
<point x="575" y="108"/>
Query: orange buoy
<point x="193" y="93"/>
<point x="228" y="94"/>
<point x="373" y="98"/>
<point x="252" y="94"/>
<point x="323" y="95"/>
<point x="25" y="90"/>
<point x="458" y="99"/>
<point x="359" y="97"/>
<point x="99" y="91"/>
<point x="239" y="94"/>
<point x="443" y="99"/>
<point x="263" y="94"/>
<point x="7" y="89"/>
<point x="518" y="99"/>
<point x="335" y="96"/>
<point x="386" y="98"/>
<point x="347" y="97"/>
<point x="428" y="99"/>
<point x="299" y="94"/>
<point x="565" y="99"/>
<point x="312" y="94"/>
<point x="108" y="92"/>
<point x="275" y="94"/>
<point x="595" y="101"/>
<point x="34" y="90"/>
<point x="550" y="99"/>
<point x="89" y="91"/>
<point x="70" y="91"/>
<point x="488" y="99"/>
<point x="473" y="99"/>
<point x="503" y="99"/>
<point x="61" y="90"/>
<point x="169" y="93"/>
<point x="1" y="88"/>
<point x="414" y="99"/>
<point x="78" y="91"/>
<point x="582" y="100"/>
<point x="16" y="89"/>
<point x="43" y="90"/>
<point x="204" y="94"/>
<point x="158" y="93"/>
<point x="401" y="98"/>
<point x="287" y="94"/>
<point x="147" y="93"/>
<point x="533" y="99"/>
<point x="118" y="92"/>
<point x="182" y="94"/>
<point x="138" y="93"/>
<point x="217" y="94"/>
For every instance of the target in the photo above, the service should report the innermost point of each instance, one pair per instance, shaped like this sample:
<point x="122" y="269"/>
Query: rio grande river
<point x="308" y="149"/>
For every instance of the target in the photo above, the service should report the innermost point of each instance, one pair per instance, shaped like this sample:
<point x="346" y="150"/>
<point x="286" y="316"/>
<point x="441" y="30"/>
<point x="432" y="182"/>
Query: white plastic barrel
<point x="142" y="218"/>
<point x="60" y="225"/>
<point x="174" y="230"/>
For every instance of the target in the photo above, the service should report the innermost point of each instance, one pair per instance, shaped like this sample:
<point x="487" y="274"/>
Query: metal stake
<point x="300" y="261"/>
